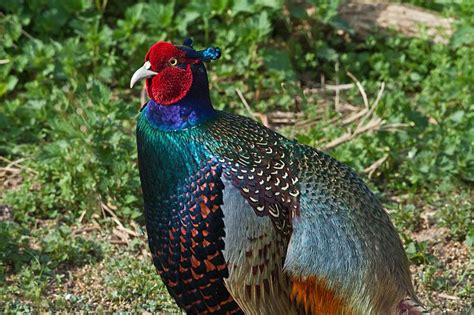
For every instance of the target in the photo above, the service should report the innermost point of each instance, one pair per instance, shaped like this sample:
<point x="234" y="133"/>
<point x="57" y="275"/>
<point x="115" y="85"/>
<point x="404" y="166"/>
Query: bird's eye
<point x="173" y="61"/>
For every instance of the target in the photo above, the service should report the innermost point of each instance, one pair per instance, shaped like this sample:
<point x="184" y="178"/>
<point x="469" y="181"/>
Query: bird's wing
<point x="255" y="160"/>
<point x="255" y="253"/>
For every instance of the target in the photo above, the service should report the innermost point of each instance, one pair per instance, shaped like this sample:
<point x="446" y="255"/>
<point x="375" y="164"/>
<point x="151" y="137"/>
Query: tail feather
<point x="409" y="306"/>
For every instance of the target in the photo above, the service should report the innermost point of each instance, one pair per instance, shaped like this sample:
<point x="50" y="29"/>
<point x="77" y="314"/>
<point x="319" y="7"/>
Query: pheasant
<point x="242" y="220"/>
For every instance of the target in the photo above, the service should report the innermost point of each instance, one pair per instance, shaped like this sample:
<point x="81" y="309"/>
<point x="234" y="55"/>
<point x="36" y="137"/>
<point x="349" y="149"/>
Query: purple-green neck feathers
<point x="194" y="109"/>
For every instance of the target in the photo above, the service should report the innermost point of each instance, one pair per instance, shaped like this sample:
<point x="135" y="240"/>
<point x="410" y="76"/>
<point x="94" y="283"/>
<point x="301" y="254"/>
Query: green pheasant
<point x="243" y="220"/>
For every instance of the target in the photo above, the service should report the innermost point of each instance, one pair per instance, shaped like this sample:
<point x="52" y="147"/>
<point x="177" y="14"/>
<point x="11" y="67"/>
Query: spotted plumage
<point x="243" y="220"/>
<point x="257" y="163"/>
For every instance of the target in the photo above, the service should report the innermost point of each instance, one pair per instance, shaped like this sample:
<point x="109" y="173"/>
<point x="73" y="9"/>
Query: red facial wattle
<point x="172" y="83"/>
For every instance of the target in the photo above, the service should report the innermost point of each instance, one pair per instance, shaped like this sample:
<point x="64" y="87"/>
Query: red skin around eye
<point x="171" y="84"/>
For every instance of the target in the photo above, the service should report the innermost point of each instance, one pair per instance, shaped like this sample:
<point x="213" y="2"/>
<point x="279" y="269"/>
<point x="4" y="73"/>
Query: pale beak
<point x="142" y="73"/>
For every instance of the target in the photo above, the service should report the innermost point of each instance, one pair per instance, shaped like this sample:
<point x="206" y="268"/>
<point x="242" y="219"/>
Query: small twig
<point x="13" y="163"/>
<point x="10" y="170"/>
<point x="373" y="124"/>
<point x="354" y="117"/>
<point x="4" y="61"/>
<point x="349" y="108"/>
<point x="374" y="106"/>
<point x="361" y="89"/>
<point x="372" y="168"/>
<point x="307" y="123"/>
<point x="146" y="253"/>
<point x="94" y="227"/>
<point x="395" y="126"/>
<point x="329" y="87"/>
<point x="379" y="95"/>
<point x="340" y="140"/>
<point x="27" y="34"/>
<point x="109" y="210"/>
<point x="289" y="115"/>
<point x="339" y="87"/>
<point x="330" y="124"/>
<point x="135" y="226"/>
<point x="10" y="162"/>
<point x="81" y="217"/>
<point x="128" y="231"/>
<point x="311" y="122"/>
<point x="284" y="118"/>
<point x="336" y="98"/>
<point x="447" y="296"/>
<point x="17" y="162"/>
<point x="244" y="101"/>
<point x="124" y="234"/>
<point x="263" y="118"/>
<point x="118" y="242"/>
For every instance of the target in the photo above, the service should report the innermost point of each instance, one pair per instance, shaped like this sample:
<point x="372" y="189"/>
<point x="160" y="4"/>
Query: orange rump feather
<point x="317" y="298"/>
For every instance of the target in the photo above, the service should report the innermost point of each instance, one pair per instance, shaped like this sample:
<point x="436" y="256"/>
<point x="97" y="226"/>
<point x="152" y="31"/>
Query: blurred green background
<point x="71" y="226"/>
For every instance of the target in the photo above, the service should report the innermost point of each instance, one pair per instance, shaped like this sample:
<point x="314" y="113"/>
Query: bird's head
<point x="169" y="68"/>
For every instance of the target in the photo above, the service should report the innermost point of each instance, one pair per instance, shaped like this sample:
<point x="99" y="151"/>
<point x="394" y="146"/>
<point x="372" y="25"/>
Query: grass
<point x="71" y="227"/>
<point x="82" y="270"/>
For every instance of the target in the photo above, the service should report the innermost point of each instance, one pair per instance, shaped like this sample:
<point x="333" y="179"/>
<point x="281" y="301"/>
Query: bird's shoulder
<point x="255" y="159"/>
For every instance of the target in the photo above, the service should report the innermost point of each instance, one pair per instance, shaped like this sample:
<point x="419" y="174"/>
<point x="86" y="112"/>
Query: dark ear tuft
<point x="188" y="42"/>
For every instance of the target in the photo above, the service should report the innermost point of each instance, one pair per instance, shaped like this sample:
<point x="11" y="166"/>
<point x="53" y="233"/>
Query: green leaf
<point x="470" y="238"/>
<point x="219" y="5"/>
<point x="457" y="116"/>
<point x="241" y="6"/>
<point x="274" y="4"/>
<point x="278" y="60"/>
<point x="264" y="26"/>
<point x="159" y="16"/>
<point x="327" y="53"/>
<point x="463" y="36"/>
<point x="414" y="76"/>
